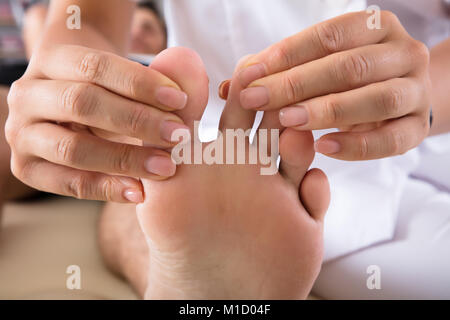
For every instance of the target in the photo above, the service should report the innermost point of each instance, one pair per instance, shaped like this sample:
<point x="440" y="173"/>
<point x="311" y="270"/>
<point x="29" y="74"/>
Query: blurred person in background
<point x="148" y="35"/>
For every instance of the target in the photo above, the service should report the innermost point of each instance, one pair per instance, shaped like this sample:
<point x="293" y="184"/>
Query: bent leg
<point x="122" y="244"/>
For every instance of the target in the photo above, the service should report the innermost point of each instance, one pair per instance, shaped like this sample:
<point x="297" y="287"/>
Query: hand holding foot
<point x="225" y="231"/>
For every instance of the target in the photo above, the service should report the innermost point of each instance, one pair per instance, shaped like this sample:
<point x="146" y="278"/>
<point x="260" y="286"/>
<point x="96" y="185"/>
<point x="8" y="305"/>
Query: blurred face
<point x="147" y="33"/>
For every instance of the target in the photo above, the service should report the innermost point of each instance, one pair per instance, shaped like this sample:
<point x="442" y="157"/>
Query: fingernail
<point x="254" y="98"/>
<point x="171" y="97"/>
<point x="161" y="166"/>
<point x="168" y="131"/>
<point x="224" y="89"/>
<point x="327" y="146"/>
<point x="134" y="196"/>
<point x="294" y="116"/>
<point x="251" y="73"/>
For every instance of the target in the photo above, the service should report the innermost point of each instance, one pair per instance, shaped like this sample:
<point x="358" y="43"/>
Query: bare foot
<point x="226" y="231"/>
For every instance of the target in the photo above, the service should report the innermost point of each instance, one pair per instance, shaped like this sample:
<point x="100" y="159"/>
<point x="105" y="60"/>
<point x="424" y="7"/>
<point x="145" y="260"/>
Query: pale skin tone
<point x="373" y="85"/>
<point x="148" y="35"/>
<point x="10" y="187"/>
<point x="82" y="94"/>
<point x="72" y="171"/>
<point x="226" y="231"/>
<point x="395" y="97"/>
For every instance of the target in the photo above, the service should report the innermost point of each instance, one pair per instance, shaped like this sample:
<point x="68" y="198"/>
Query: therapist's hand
<point x="72" y="96"/>
<point x="371" y="84"/>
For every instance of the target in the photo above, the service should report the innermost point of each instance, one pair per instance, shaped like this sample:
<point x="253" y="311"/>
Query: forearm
<point x="110" y="33"/>
<point x="440" y="77"/>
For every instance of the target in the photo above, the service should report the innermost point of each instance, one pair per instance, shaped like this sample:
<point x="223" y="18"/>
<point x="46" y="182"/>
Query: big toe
<point x="186" y="68"/>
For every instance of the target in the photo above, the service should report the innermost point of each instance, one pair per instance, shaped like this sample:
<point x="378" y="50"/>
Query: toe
<point x="315" y="194"/>
<point x="271" y="120"/>
<point x="186" y="68"/>
<point x="297" y="154"/>
<point x="234" y="116"/>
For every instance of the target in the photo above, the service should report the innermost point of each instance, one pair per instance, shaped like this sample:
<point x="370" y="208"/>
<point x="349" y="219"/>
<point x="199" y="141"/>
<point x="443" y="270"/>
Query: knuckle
<point x="138" y="119"/>
<point x="334" y="111"/>
<point x="396" y="142"/>
<point x="67" y="149"/>
<point x="14" y="95"/>
<point x="282" y="54"/>
<point x="134" y="82"/>
<point x="362" y="147"/>
<point x="390" y="17"/>
<point x="79" y="100"/>
<point x="330" y="37"/>
<point x="122" y="159"/>
<point x="353" y="69"/>
<point x="78" y="187"/>
<point x="93" y="66"/>
<point x="10" y="131"/>
<point x="390" y="102"/>
<point x="17" y="169"/>
<point x="293" y="86"/>
<point x="21" y="169"/>
<point x="420" y="52"/>
<point x="107" y="189"/>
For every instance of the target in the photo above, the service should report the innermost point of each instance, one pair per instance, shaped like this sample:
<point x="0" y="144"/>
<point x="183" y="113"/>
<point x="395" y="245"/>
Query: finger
<point x="315" y="193"/>
<point x="342" y="33"/>
<point x="81" y="184"/>
<point x="114" y="73"/>
<point x="335" y="73"/>
<point x="271" y="120"/>
<point x="93" y="106"/>
<point x="234" y="116"/>
<point x="394" y="138"/>
<point x="376" y="102"/>
<point x="88" y="152"/>
<point x="297" y="154"/>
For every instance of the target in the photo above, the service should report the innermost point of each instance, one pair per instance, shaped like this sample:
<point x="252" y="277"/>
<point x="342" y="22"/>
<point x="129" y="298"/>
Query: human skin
<point x="226" y="231"/>
<point x="33" y="26"/>
<point x="394" y="118"/>
<point x="122" y="244"/>
<point x="118" y="220"/>
<point x="440" y="78"/>
<point x="108" y="47"/>
<point x="78" y="78"/>
<point x="148" y="35"/>
<point x="372" y="84"/>
<point x="10" y="187"/>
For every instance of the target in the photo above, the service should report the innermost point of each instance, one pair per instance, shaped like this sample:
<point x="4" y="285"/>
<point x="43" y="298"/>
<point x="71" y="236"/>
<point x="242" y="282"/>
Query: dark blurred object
<point x="28" y="3"/>
<point x="10" y="73"/>
<point x="13" y="61"/>
<point x="446" y="4"/>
